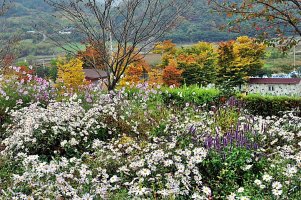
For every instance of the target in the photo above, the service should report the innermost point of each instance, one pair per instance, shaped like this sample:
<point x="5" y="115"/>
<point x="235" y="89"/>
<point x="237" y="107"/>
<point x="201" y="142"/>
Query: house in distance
<point x="275" y="86"/>
<point x="96" y="76"/>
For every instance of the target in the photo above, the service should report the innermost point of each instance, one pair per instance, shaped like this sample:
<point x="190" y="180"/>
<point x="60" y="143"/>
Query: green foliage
<point x="226" y="118"/>
<point x="53" y="70"/>
<point x="238" y="60"/>
<point x="46" y="72"/>
<point x="120" y="195"/>
<point x="7" y="169"/>
<point x="200" y="24"/>
<point x="225" y="171"/>
<point x="198" y="63"/>
<point x="270" y="105"/>
<point x="22" y="63"/>
<point x="192" y="94"/>
<point x="275" y="53"/>
<point x="41" y="71"/>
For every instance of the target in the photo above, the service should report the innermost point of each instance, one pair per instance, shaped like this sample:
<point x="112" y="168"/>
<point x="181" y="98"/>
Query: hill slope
<point x="199" y="24"/>
<point x="33" y="22"/>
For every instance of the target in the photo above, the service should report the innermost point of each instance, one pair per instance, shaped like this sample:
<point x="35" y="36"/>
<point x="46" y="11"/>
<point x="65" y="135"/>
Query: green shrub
<point x="7" y="168"/>
<point x="193" y="94"/>
<point x="233" y="168"/>
<point x="270" y="105"/>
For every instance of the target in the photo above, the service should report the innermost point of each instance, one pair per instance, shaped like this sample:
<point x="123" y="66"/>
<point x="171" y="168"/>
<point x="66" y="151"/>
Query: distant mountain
<point x="199" y="23"/>
<point x="29" y="7"/>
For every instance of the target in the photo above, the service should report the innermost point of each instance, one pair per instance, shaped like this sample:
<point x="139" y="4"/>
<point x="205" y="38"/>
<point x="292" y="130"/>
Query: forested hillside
<point x="197" y="24"/>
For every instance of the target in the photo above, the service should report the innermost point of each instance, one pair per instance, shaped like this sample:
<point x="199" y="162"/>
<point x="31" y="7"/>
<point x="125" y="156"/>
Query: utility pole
<point x="295" y="58"/>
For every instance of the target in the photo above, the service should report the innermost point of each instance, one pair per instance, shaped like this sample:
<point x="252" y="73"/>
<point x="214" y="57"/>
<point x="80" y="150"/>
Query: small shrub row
<point x="270" y="105"/>
<point x="193" y="94"/>
<point x="256" y="104"/>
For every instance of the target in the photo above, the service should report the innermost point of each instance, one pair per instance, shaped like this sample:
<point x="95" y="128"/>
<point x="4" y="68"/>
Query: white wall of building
<point x="276" y="89"/>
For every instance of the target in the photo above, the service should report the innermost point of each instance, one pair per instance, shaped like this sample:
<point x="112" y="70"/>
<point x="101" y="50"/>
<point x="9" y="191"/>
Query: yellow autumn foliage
<point x="70" y="73"/>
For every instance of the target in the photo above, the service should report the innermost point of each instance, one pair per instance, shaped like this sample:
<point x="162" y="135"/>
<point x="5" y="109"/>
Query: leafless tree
<point x="119" y="30"/>
<point x="269" y="18"/>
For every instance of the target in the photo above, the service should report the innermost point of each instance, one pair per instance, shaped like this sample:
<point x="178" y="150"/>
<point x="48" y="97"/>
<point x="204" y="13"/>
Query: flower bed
<point x="135" y="145"/>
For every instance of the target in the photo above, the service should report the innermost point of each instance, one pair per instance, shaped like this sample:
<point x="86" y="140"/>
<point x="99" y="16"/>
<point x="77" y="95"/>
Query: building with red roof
<point x="275" y="86"/>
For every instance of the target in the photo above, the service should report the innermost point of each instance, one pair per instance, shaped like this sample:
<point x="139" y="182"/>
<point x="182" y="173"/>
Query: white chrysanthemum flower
<point x="63" y="143"/>
<point x="267" y="177"/>
<point x="73" y="142"/>
<point x="232" y="196"/>
<point x="257" y="182"/>
<point x="144" y="172"/>
<point x="276" y="192"/>
<point x="168" y="163"/>
<point x="197" y="196"/>
<point x="277" y="185"/>
<point x="206" y="190"/>
<point x="290" y="171"/>
<point x="240" y="190"/>
<point x="114" y="179"/>
<point x="164" y="192"/>
<point x="247" y="167"/>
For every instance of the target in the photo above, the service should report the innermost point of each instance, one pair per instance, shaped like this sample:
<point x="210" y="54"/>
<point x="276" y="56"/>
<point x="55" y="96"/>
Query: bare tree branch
<point x="270" y="18"/>
<point x="119" y="30"/>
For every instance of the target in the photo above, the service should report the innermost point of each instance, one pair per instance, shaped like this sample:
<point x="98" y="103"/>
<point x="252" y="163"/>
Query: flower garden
<point x="144" y="142"/>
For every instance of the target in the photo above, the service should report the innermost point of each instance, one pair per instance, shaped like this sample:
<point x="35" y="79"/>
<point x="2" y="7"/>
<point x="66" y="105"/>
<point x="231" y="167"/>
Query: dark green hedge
<point x="270" y="105"/>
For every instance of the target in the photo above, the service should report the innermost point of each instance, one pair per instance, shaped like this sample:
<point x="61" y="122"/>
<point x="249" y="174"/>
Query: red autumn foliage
<point x="24" y="73"/>
<point x="92" y="58"/>
<point x="172" y="75"/>
<point x="8" y="60"/>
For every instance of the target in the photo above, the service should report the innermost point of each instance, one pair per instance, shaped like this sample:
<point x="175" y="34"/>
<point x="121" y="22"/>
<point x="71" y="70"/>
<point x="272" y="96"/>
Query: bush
<point x="65" y="128"/>
<point x="193" y="94"/>
<point x="270" y="105"/>
<point x="228" y="171"/>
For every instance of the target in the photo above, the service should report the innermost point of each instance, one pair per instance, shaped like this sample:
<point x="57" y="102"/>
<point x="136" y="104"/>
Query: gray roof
<point x="95" y="74"/>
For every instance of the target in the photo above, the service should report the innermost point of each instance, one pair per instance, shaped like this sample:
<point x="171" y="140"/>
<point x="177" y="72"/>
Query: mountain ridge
<point x="199" y="23"/>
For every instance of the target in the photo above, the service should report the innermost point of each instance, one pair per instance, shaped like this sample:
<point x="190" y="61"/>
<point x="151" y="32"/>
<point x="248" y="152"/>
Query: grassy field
<point x="284" y="63"/>
<point x="153" y="59"/>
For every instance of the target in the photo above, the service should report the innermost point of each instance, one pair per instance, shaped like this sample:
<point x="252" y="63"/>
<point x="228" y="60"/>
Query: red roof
<point x="294" y="81"/>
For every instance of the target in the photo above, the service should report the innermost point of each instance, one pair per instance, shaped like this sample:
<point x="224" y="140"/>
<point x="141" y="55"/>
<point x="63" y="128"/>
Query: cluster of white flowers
<point x="116" y="164"/>
<point x="118" y="145"/>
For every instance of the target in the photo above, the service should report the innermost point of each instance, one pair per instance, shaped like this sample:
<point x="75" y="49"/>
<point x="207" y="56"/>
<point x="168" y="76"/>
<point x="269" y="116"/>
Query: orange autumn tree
<point x="71" y="74"/>
<point x="134" y="72"/>
<point x="166" y="46"/>
<point x="133" y="75"/>
<point x="92" y="58"/>
<point x="155" y="76"/>
<point x="172" y="75"/>
<point x="167" y="49"/>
